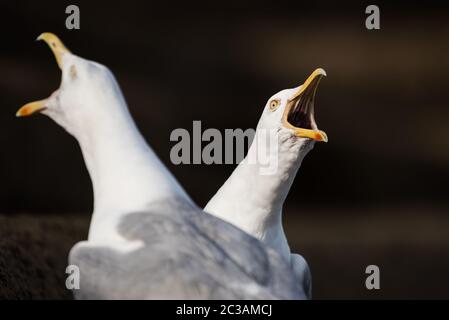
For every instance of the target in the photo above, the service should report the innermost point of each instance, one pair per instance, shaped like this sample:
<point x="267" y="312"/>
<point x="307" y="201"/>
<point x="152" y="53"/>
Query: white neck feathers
<point x="253" y="201"/>
<point x="126" y="174"/>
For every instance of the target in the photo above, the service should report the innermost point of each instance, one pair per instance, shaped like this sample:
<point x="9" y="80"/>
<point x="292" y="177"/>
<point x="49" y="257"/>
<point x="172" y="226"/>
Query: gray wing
<point x="302" y="273"/>
<point x="187" y="254"/>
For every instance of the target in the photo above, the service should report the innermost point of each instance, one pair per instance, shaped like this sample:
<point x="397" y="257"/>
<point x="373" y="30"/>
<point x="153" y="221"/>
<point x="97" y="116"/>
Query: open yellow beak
<point x="30" y="108"/>
<point x="58" y="49"/>
<point x="307" y="92"/>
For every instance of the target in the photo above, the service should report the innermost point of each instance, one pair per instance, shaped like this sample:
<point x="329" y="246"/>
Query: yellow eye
<point x="274" y="104"/>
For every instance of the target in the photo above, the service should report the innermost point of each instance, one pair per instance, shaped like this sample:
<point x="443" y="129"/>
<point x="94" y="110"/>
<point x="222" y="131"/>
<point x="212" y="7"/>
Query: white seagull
<point x="147" y="239"/>
<point x="253" y="196"/>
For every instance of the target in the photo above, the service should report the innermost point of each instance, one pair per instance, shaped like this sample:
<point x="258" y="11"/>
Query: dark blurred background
<point x="377" y="193"/>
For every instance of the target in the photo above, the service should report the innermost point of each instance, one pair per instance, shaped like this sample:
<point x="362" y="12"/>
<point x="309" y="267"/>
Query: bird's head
<point x="86" y="92"/>
<point x="290" y="112"/>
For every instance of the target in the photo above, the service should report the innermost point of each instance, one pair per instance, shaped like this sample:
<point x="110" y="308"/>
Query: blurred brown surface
<point x="409" y="245"/>
<point x="377" y="193"/>
<point x="34" y="254"/>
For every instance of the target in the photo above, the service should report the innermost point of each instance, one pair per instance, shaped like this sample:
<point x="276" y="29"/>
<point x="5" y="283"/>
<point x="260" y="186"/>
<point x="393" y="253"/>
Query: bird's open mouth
<point x="299" y="112"/>
<point x="59" y="50"/>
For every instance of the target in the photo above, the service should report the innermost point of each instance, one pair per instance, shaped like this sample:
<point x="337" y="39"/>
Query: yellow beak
<point x="30" y="108"/>
<point x="58" y="49"/>
<point x="316" y="75"/>
<point x="55" y="45"/>
<point x="309" y="87"/>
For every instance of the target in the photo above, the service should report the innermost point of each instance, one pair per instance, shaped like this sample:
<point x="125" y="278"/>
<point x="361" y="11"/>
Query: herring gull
<point x="252" y="199"/>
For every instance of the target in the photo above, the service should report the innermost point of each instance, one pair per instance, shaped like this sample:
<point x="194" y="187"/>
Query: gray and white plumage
<point x="147" y="239"/>
<point x="187" y="254"/>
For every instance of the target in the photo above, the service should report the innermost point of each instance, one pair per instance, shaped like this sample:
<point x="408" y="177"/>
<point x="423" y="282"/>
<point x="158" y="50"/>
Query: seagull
<point x="252" y="199"/>
<point x="147" y="239"/>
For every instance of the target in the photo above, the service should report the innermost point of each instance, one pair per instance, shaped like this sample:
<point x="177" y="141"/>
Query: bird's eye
<point x="274" y="104"/>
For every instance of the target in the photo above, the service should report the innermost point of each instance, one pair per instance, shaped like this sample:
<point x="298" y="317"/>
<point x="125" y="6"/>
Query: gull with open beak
<point x="252" y="198"/>
<point x="147" y="239"/>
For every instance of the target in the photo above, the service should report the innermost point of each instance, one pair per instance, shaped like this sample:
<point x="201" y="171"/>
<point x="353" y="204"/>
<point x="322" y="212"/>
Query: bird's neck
<point x="253" y="196"/>
<point x="125" y="172"/>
